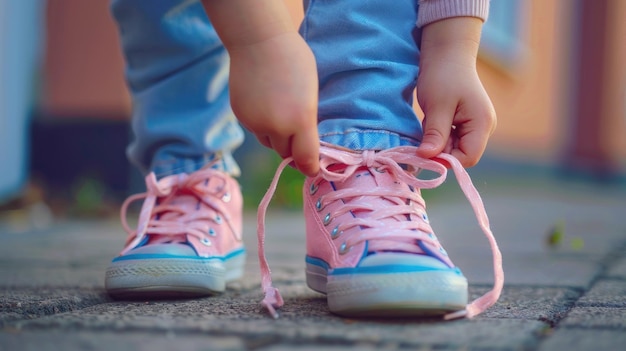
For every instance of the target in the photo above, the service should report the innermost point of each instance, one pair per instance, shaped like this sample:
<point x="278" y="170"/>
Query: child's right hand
<point x="273" y="77"/>
<point x="273" y="87"/>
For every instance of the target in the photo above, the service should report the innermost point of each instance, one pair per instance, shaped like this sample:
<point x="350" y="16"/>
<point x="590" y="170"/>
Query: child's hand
<point x="459" y="116"/>
<point x="273" y="87"/>
<point x="273" y="77"/>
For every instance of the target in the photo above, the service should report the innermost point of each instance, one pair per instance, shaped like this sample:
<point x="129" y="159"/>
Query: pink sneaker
<point x="188" y="240"/>
<point x="370" y="247"/>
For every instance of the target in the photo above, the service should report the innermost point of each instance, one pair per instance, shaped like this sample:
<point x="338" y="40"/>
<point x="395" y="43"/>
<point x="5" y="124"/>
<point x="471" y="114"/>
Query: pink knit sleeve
<point x="435" y="10"/>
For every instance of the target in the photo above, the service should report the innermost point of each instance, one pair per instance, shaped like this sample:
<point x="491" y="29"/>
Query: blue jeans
<point x="177" y="70"/>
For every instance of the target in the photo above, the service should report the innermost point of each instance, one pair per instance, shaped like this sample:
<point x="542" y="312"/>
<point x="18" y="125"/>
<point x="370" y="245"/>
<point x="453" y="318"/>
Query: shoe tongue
<point x="368" y="178"/>
<point x="365" y="179"/>
<point x="183" y="200"/>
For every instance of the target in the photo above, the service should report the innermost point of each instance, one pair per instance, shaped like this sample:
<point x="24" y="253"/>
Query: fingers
<point x="437" y="123"/>
<point x="305" y="151"/>
<point x="470" y="147"/>
<point x="282" y="145"/>
<point x="265" y="141"/>
<point x="462" y="130"/>
<point x="303" y="147"/>
<point x="471" y="138"/>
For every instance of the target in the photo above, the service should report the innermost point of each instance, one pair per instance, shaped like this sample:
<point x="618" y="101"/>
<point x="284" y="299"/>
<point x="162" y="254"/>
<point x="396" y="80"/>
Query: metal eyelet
<point x="343" y="249"/>
<point x="335" y="233"/>
<point x="206" y="242"/>
<point x="443" y="251"/>
<point x="318" y="205"/>
<point x="226" y="197"/>
<point x="425" y="217"/>
<point x="212" y="232"/>
<point x="218" y="219"/>
<point x="313" y="188"/>
<point x="327" y="219"/>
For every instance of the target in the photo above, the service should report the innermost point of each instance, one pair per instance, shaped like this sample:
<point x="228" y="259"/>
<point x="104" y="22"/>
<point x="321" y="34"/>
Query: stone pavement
<point x="566" y="293"/>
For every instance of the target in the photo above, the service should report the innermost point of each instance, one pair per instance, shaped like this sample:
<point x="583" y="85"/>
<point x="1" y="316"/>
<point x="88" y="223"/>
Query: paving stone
<point x="77" y="253"/>
<point x="73" y="253"/>
<point x="54" y="275"/>
<point x="618" y="270"/>
<point x="342" y="347"/>
<point x="534" y="269"/>
<point x="584" y="339"/>
<point x="77" y="241"/>
<point x="605" y="293"/>
<point x="548" y="305"/>
<point x="304" y="319"/>
<point x="52" y="295"/>
<point x="118" y="341"/>
<point x="596" y="317"/>
<point x="315" y="327"/>
<point x="522" y="225"/>
<point x="19" y="304"/>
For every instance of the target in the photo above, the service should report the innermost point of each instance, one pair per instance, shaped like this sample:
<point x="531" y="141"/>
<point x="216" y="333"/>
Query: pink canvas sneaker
<point x="370" y="247"/>
<point x="187" y="242"/>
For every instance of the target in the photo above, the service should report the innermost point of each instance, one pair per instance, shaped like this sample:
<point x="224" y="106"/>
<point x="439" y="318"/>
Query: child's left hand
<point x="459" y="116"/>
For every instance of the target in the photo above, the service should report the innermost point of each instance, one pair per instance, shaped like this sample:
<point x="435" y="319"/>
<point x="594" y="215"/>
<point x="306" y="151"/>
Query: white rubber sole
<point x="402" y="294"/>
<point x="171" y="277"/>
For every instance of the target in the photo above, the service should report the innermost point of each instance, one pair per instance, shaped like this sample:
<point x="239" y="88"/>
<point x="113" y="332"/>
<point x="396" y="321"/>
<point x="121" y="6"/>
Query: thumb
<point x="437" y="126"/>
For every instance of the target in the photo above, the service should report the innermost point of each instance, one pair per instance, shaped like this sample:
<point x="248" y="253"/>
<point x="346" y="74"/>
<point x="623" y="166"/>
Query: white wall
<point x="21" y="36"/>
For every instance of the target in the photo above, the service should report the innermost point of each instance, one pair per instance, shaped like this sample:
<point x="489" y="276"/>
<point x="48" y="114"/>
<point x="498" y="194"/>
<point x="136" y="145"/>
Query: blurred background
<point x="555" y="70"/>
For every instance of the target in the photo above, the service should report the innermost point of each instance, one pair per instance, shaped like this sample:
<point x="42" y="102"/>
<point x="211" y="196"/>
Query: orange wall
<point x="83" y="64"/>
<point x="533" y="101"/>
<point x="615" y="99"/>
<point x="528" y="99"/>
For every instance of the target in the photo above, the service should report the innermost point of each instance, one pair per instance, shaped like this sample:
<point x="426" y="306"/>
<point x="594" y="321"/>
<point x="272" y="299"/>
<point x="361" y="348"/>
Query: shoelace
<point x="392" y="159"/>
<point x="185" y="222"/>
<point x="382" y="235"/>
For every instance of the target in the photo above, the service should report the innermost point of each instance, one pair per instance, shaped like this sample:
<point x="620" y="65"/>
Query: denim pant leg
<point x="367" y="60"/>
<point x="177" y="71"/>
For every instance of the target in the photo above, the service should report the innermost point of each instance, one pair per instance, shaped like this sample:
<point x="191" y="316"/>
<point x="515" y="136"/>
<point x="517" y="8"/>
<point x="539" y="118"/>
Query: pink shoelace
<point x="186" y="222"/>
<point x="391" y="158"/>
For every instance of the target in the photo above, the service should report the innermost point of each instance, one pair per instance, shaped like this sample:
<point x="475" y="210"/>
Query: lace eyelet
<point x="343" y="249"/>
<point x="313" y="188"/>
<point x="218" y="219"/>
<point x="443" y="251"/>
<point x="212" y="232"/>
<point x="327" y="219"/>
<point x="425" y="217"/>
<point x="335" y="233"/>
<point x="318" y="205"/>
<point x="379" y="170"/>
<point x="206" y="242"/>
<point x="226" y="197"/>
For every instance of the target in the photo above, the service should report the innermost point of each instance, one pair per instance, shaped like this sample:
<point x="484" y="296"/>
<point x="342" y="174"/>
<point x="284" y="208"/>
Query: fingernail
<point x="427" y="146"/>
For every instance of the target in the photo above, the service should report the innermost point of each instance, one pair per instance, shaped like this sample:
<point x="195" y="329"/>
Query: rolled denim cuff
<point x="223" y="161"/>
<point x="359" y="140"/>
